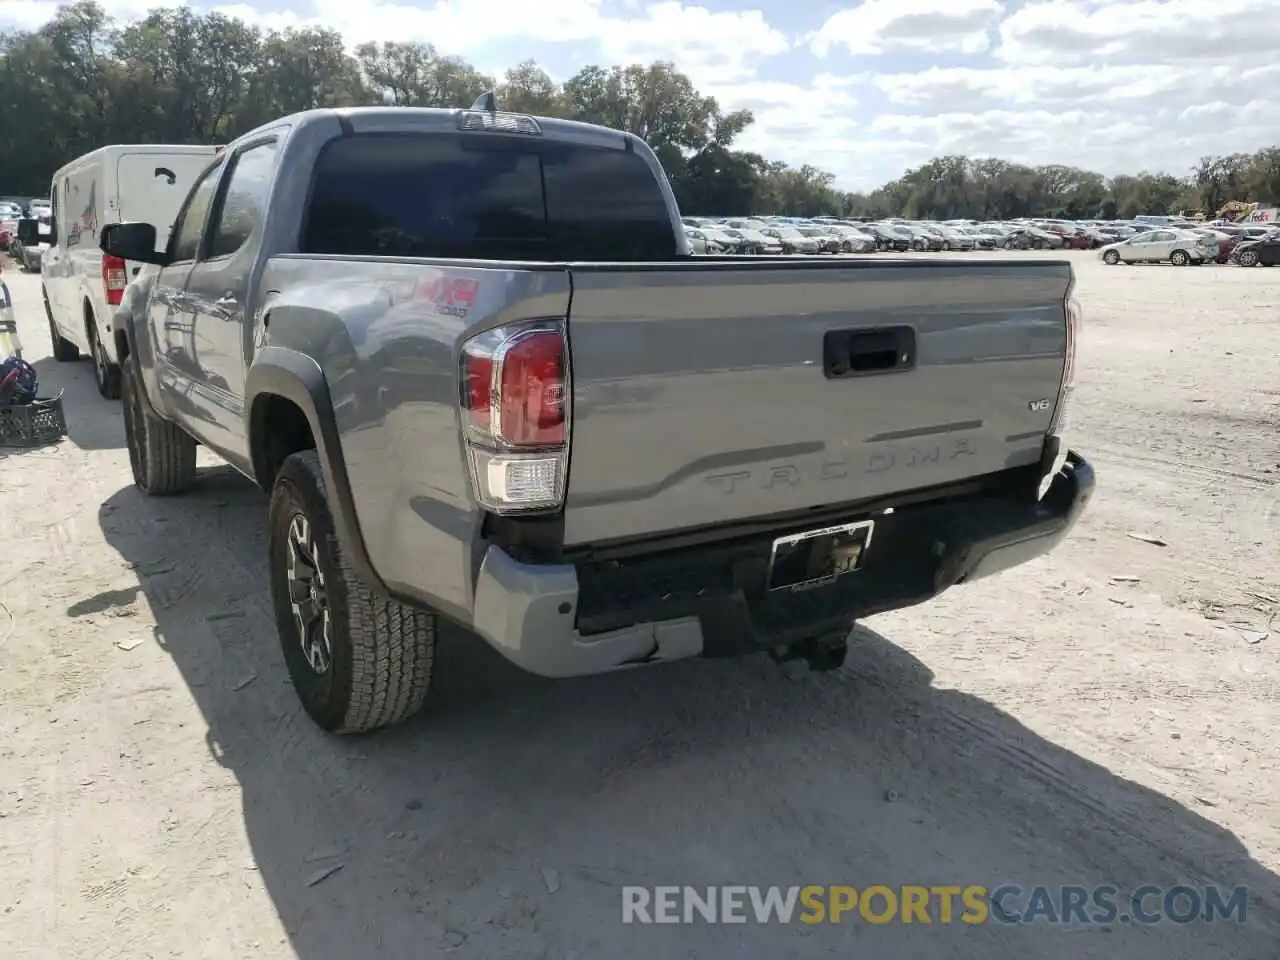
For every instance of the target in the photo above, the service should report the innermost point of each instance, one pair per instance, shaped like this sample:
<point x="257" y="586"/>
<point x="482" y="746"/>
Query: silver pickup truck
<point x="470" y="357"/>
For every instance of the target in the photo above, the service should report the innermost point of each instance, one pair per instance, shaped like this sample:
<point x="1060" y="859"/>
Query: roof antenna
<point x="486" y="103"/>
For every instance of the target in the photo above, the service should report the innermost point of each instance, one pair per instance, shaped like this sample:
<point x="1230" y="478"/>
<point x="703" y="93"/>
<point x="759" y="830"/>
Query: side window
<point x="244" y="202"/>
<point x="189" y="227"/>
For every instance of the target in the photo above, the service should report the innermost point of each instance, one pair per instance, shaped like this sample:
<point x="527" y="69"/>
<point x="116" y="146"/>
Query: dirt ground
<point x="1105" y="715"/>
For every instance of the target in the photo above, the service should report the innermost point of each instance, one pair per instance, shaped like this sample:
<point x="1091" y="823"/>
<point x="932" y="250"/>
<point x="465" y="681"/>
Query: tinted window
<point x="446" y="195"/>
<point x="244" y="200"/>
<point x="190" y="226"/>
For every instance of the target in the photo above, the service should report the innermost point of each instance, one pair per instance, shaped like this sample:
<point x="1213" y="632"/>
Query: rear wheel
<point x="105" y="373"/>
<point x="64" y="351"/>
<point x="161" y="454"/>
<point x="1179" y="258"/>
<point x="358" y="662"/>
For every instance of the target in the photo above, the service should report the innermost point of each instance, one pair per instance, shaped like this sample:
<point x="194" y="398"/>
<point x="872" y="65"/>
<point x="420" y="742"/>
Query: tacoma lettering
<point x="881" y="461"/>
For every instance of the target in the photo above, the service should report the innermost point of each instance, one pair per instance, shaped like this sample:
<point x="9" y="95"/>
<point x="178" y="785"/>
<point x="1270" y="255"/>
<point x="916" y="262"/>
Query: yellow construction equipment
<point x="1237" y="210"/>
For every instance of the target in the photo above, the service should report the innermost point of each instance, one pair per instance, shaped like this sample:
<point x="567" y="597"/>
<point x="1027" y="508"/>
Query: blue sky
<point x="867" y="89"/>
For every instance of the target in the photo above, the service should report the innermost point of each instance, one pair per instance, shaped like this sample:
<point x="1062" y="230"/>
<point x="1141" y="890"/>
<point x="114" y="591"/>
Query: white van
<point x="82" y="285"/>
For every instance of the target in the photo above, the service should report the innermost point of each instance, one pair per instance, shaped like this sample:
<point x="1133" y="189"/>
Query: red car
<point x="1228" y="239"/>
<point x="1072" y="239"/>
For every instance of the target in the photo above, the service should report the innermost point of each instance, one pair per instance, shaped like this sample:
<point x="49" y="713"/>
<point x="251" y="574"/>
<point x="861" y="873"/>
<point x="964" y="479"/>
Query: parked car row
<point x="811" y="235"/>
<point x="1172" y="240"/>
<point x="11" y="211"/>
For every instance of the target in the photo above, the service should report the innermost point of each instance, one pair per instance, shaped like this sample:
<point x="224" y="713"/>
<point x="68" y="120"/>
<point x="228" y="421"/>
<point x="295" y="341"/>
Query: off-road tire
<point x="382" y="652"/>
<point x="64" y="351"/>
<point x="106" y="375"/>
<point x="161" y="454"/>
<point x="1111" y="258"/>
<point x="1179" y="258"/>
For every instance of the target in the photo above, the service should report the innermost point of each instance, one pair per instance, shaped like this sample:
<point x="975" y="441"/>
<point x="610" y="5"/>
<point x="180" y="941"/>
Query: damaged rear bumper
<point x="710" y="600"/>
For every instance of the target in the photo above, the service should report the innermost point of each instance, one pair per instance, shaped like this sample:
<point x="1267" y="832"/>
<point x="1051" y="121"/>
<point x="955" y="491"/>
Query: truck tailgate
<point x="706" y="393"/>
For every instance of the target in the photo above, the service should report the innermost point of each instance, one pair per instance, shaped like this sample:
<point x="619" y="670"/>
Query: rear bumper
<point x="567" y="620"/>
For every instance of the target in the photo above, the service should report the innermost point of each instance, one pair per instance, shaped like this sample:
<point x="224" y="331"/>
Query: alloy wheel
<point x="309" y="595"/>
<point x="99" y="357"/>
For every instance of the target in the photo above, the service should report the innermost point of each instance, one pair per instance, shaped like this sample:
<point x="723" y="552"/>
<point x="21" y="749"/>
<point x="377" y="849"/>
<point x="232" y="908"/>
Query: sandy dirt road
<point x="1105" y="715"/>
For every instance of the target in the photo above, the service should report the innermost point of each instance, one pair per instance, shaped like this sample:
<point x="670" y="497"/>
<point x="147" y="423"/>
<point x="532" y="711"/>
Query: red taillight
<point x="531" y="403"/>
<point x="518" y="376"/>
<point x="1058" y="423"/>
<point x="1073" y="342"/>
<point x="477" y="389"/>
<point x="514" y="395"/>
<point x="114" y="278"/>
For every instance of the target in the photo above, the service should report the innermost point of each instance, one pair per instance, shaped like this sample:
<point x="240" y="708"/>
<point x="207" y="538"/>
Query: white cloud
<point x="711" y="47"/>
<point x="887" y="26"/>
<point x="1110" y="143"/>
<point x="721" y="51"/>
<point x="793" y="122"/>
<point x="1109" y="85"/>
<point x="722" y="44"/>
<point x="1132" y="88"/>
<point x="1113" y="85"/>
<point x="1147" y="31"/>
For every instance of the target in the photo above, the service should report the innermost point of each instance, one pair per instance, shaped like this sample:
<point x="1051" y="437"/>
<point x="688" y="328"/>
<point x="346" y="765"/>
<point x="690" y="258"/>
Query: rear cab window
<point x="485" y="197"/>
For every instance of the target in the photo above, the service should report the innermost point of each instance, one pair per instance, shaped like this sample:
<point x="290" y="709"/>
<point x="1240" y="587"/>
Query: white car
<point x="852" y="240"/>
<point x="754" y="240"/>
<point x="792" y="240"/>
<point x="697" y="240"/>
<point x="41" y="209"/>
<point x="1178" y="247"/>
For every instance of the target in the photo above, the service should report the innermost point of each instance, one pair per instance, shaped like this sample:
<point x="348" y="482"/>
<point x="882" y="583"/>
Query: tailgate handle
<point x="859" y="353"/>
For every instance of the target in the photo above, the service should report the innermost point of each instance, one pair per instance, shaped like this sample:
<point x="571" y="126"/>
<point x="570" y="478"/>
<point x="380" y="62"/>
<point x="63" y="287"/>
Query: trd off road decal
<point x="450" y="296"/>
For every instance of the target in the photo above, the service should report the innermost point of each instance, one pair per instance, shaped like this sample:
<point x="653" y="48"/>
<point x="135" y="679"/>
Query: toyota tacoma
<point x="471" y="359"/>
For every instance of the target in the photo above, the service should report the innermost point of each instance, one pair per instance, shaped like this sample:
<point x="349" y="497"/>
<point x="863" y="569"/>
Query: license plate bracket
<point x="814" y="558"/>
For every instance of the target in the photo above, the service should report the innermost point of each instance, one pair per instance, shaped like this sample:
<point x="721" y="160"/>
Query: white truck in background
<point x="82" y="286"/>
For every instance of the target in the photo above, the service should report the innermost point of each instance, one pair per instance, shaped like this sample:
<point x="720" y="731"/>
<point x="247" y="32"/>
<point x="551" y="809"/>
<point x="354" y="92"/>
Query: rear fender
<point x="296" y="377"/>
<point x="131" y="335"/>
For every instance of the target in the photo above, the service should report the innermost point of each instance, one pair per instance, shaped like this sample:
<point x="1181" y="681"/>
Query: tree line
<point x="175" y="76"/>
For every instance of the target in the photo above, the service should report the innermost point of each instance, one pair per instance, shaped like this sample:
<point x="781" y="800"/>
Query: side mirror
<point x="32" y="232"/>
<point x="132" y="241"/>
